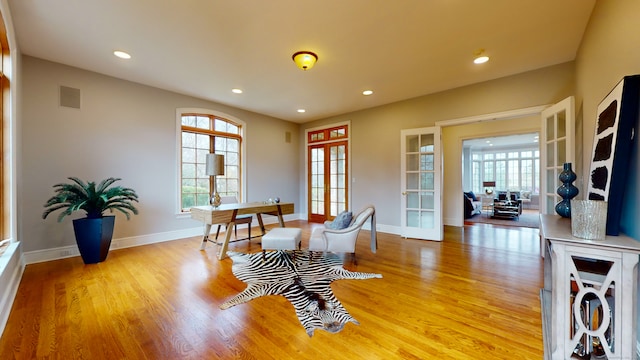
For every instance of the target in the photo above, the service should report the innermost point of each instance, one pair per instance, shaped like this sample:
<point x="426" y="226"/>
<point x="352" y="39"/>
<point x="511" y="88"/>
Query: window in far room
<point x="203" y="133"/>
<point x="514" y="167"/>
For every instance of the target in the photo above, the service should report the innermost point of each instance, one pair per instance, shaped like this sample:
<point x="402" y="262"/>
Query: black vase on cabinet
<point x="567" y="190"/>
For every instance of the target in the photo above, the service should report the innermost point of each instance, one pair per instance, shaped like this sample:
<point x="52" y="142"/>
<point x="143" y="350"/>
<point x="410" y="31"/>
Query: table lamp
<point x="215" y="167"/>
<point x="488" y="187"/>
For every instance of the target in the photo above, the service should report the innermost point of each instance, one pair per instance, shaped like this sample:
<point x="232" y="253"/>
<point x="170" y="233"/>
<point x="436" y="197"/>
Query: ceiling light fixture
<point x="122" y="54"/>
<point x="236" y="91"/>
<point x="481" y="57"/>
<point x="305" y="59"/>
<point x="302" y="111"/>
<point x="367" y="92"/>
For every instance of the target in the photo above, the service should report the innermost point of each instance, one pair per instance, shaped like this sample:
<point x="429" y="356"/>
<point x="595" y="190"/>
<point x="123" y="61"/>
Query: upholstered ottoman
<point x="282" y="239"/>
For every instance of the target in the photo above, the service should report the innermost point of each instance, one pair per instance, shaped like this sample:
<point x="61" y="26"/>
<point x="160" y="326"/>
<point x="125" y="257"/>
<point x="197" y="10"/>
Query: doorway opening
<point x="328" y="172"/>
<point x="501" y="180"/>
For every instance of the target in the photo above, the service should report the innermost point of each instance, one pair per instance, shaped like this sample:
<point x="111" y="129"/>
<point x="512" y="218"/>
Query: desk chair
<point x="240" y="219"/>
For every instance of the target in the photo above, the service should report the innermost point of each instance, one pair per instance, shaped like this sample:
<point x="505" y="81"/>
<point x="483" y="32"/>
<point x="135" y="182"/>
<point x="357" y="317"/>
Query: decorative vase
<point x="567" y="191"/>
<point x="93" y="237"/>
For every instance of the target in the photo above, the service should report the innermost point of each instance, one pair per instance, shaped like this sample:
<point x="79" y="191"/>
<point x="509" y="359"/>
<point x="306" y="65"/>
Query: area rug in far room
<point x="303" y="278"/>
<point x="528" y="218"/>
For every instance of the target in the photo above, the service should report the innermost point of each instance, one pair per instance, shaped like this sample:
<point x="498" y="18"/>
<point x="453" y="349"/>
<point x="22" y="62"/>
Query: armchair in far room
<point x="240" y="219"/>
<point x="513" y="197"/>
<point x="340" y="235"/>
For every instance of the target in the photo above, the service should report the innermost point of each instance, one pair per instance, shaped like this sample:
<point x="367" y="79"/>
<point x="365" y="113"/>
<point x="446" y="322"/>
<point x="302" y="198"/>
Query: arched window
<point x="204" y="132"/>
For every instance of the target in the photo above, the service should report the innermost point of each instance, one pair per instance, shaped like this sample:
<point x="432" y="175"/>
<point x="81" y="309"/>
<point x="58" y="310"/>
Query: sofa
<point x="472" y="205"/>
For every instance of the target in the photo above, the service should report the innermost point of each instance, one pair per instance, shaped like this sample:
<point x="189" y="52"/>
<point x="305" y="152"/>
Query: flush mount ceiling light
<point x="122" y="54"/>
<point x="236" y="91"/>
<point x="480" y="57"/>
<point x="305" y="59"/>
<point x="367" y="92"/>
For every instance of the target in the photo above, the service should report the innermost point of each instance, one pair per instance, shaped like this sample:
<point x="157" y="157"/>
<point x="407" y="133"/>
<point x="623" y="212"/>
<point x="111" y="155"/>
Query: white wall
<point x="127" y="130"/>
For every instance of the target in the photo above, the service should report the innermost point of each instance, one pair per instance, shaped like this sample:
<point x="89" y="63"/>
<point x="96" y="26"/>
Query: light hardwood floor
<point x="473" y="296"/>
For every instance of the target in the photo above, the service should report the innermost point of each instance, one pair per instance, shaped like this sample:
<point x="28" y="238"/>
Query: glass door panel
<point x="316" y="177"/>
<point x="421" y="209"/>
<point x="338" y="176"/>
<point x="328" y="184"/>
<point x="557" y="145"/>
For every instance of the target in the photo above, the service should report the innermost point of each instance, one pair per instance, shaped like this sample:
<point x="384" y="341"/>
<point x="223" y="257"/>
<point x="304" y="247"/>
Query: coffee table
<point x="506" y="210"/>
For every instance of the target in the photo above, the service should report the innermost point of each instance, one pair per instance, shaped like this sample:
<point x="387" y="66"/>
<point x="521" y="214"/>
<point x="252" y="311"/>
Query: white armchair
<point x="344" y="241"/>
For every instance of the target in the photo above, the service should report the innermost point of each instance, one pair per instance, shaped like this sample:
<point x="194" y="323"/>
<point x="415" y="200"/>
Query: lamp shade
<point x="305" y="59"/>
<point x="215" y="164"/>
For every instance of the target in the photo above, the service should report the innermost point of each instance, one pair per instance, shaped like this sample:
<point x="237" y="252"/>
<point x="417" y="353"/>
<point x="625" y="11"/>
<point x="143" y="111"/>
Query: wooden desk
<point x="226" y="214"/>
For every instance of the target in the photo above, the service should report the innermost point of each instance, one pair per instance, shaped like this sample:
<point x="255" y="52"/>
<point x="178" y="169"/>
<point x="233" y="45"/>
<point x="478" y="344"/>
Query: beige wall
<point x="610" y="51"/>
<point x="109" y="103"/>
<point x="127" y="130"/>
<point x="375" y="146"/>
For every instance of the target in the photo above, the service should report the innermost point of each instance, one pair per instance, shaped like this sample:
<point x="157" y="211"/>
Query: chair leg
<point x="249" y="231"/>
<point x="353" y="258"/>
<point x="218" y="232"/>
<point x="235" y="230"/>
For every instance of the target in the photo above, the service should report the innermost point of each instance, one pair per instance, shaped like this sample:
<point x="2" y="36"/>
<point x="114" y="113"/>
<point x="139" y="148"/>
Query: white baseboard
<point x="452" y="222"/>
<point x="383" y="228"/>
<point x="37" y="256"/>
<point x="11" y="270"/>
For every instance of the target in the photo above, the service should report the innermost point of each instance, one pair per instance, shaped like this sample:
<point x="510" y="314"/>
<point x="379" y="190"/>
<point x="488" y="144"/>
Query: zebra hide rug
<point x="303" y="278"/>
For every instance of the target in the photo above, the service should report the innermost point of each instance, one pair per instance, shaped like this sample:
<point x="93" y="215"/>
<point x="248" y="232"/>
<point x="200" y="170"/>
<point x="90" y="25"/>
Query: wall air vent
<point x="69" y="97"/>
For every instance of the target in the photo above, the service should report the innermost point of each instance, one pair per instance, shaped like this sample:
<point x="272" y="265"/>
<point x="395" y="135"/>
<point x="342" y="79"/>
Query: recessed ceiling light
<point x="481" y="59"/>
<point x="367" y="92"/>
<point x="236" y="91"/>
<point x="302" y="110"/>
<point x="122" y="54"/>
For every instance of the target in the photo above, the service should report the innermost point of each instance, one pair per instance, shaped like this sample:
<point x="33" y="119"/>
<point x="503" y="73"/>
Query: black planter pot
<point x="93" y="237"/>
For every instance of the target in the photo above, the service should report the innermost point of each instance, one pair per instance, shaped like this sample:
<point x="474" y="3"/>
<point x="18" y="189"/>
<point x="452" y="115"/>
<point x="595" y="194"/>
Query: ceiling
<point x="502" y="142"/>
<point x="400" y="49"/>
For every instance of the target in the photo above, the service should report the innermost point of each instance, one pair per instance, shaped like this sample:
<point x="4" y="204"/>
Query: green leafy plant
<point x="95" y="200"/>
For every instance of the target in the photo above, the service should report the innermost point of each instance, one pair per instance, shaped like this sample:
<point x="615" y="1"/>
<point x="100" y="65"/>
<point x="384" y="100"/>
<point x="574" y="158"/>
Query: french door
<point x="328" y="180"/>
<point x="421" y="173"/>
<point x="557" y="147"/>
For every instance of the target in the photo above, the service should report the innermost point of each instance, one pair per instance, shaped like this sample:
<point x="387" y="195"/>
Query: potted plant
<point x="94" y="232"/>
